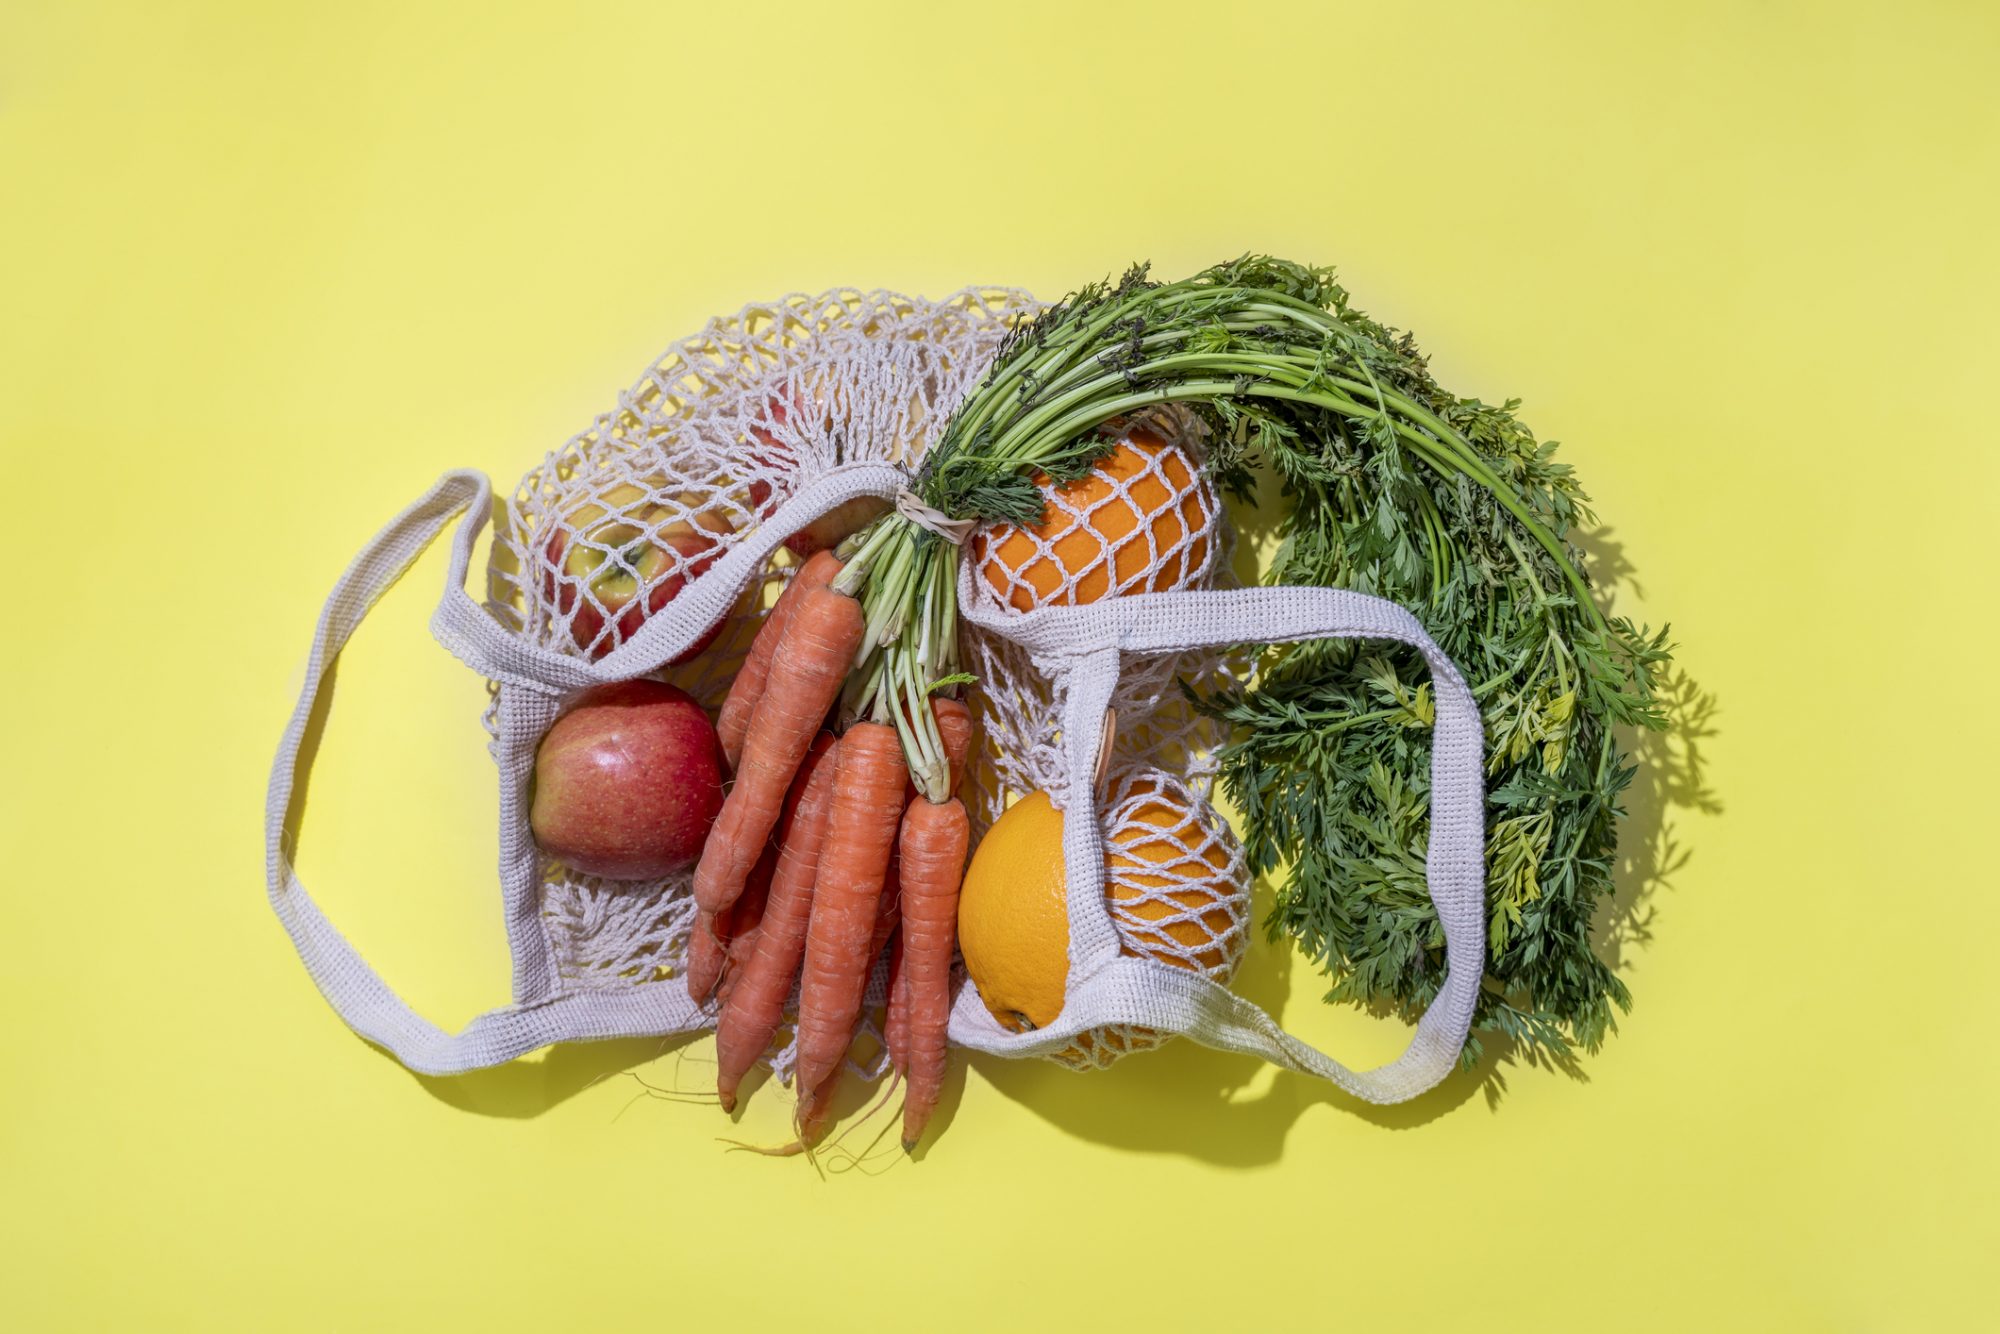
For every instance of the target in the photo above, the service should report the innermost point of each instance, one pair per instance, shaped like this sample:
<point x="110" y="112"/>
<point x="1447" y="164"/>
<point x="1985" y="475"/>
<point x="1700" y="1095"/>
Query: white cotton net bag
<point x="650" y="544"/>
<point x="1146" y="520"/>
<point x="654" y="542"/>
<point x="1178" y="891"/>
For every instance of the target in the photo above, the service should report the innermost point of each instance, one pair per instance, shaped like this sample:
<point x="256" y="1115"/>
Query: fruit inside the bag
<point x="627" y="782"/>
<point x="1170" y="889"/>
<point x="1013" y="925"/>
<point x="1072" y="499"/>
<point x="1138" y="522"/>
<point x="618" y="558"/>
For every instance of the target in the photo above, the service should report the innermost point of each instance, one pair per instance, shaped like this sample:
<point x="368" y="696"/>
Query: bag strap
<point x="1122" y="989"/>
<point x="368" y="1005"/>
<point x="481" y="643"/>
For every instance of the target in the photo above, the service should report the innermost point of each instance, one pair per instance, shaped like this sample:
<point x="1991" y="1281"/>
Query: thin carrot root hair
<point x="678" y="1092"/>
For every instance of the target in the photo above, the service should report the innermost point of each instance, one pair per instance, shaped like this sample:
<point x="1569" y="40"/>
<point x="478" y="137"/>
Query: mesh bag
<point x="654" y="542"/>
<point x="1177" y="889"/>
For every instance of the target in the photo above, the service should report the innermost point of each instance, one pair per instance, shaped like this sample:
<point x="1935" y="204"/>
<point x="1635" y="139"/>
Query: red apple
<point x="639" y="559"/>
<point x="628" y="782"/>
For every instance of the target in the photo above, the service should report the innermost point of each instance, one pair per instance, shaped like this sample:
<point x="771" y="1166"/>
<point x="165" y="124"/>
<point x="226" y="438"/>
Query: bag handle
<point x="1121" y="989"/>
<point x="481" y="643"/>
<point x="368" y="1005"/>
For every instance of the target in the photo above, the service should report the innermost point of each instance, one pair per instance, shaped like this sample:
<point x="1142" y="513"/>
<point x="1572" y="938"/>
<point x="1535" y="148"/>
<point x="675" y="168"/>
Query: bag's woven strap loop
<point x="1106" y="987"/>
<point x="484" y="645"/>
<point x="368" y="1004"/>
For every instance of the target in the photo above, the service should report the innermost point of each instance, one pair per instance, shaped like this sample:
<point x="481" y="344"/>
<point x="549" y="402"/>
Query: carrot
<point x="888" y="911"/>
<point x="815" y="1109"/>
<point x="887" y="933"/>
<point x="931" y="850"/>
<point x="756" y="1003"/>
<point x="860" y="835"/>
<point x="954" y="720"/>
<point x="808" y="669"/>
<point x="715" y="943"/>
<point x="704" y="960"/>
<point x="896" y="1027"/>
<point x="954" y="724"/>
<point x="732" y="724"/>
<point x="743" y="940"/>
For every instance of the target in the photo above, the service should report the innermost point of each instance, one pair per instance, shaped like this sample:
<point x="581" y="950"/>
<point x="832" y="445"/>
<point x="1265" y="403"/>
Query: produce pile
<point x="821" y="813"/>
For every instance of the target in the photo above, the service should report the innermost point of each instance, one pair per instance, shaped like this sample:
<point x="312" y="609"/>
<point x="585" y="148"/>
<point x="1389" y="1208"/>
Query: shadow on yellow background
<point x="267" y="270"/>
<point x="1217" y="1107"/>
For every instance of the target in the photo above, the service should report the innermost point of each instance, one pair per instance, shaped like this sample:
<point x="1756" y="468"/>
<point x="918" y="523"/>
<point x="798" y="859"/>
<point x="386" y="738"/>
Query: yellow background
<point x="266" y="270"/>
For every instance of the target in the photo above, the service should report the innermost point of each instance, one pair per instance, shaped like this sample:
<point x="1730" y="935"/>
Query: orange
<point x="1013" y="925"/>
<point x="1170" y="891"/>
<point x="1140" y="521"/>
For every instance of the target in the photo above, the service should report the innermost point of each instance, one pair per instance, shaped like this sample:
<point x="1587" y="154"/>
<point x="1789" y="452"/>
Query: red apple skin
<point x="614" y="588"/>
<point x="697" y="552"/>
<point x="628" y="782"/>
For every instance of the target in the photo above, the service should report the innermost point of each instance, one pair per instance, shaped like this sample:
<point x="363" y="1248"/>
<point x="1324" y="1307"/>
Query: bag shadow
<point x="531" y="1085"/>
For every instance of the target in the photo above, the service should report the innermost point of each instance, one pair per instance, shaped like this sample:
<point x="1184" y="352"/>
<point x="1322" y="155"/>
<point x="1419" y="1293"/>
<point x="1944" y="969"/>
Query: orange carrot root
<point x="815" y="1109"/>
<point x="931" y="851"/>
<point x="756" y="1003"/>
<point x="704" y="960"/>
<point x="854" y="861"/>
<point x="742" y="945"/>
<point x="808" y="669"/>
<point x="732" y="724"/>
<point x="954" y="724"/>
<point x="896" y="1027"/>
<point x="888" y="912"/>
<point x="717" y="941"/>
<point x="717" y="948"/>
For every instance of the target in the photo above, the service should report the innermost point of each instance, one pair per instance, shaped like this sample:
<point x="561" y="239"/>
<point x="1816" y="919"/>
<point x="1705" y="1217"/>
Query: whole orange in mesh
<point x="1142" y="520"/>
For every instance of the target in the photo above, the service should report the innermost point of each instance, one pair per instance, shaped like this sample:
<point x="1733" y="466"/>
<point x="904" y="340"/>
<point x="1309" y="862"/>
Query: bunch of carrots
<point x="824" y="853"/>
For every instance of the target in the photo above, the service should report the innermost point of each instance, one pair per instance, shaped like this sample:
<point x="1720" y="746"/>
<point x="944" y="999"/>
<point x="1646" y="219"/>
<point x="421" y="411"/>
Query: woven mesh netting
<point x="1145" y="520"/>
<point x="1178" y="890"/>
<point x="716" y="434"/>
<point x="719" y="432"/>
<point x="1142" y="521"/>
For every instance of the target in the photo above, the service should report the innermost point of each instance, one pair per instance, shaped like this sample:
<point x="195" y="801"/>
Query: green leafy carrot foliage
<point x="1446" y="505"/>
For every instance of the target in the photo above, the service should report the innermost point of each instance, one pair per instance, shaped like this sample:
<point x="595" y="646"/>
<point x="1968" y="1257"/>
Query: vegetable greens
<point x="1445" y="505"/>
